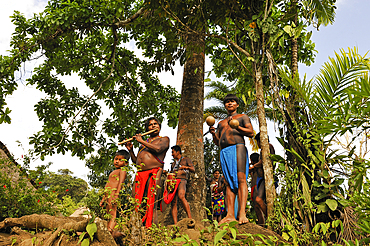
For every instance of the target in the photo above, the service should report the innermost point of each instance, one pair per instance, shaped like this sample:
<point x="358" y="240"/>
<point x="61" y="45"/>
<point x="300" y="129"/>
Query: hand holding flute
<point x="130" y="139"/>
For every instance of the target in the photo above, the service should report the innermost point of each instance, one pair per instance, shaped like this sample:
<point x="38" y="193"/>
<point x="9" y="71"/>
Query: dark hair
<point x="124" y="153"/>
<point x="257" y="137"/>
<point x="148" y="120"/>
<point x="231" y="97"/>
<point x="176" y="148"/>
<point x="216" y="170"/>
<point x="255" y="157"/>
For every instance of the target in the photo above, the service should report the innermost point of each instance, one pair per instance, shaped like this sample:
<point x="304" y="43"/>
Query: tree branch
<point x="130" y="19"/>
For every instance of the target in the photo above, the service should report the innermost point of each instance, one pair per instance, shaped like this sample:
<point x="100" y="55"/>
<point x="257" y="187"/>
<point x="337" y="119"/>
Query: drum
<point x="170" y="181"/>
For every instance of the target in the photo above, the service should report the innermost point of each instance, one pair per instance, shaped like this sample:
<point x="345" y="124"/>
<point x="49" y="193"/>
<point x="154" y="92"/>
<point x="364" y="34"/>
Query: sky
<point x="349" y="30"/>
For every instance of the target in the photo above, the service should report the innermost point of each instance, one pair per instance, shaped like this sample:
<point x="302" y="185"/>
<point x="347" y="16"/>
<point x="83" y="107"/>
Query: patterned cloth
<point x="218" y="205"/>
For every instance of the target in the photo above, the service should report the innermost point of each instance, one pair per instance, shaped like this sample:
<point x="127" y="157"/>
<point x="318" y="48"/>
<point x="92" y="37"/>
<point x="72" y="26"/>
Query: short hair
<point x="258" y="135"/>
<point x="216" y="170"/>
<point x="255" y="157"/>
<point x="124" y="153"/>
<point x="231" y="97"/>
<point x="149" y="119"/>
<point x="176" y="148"/>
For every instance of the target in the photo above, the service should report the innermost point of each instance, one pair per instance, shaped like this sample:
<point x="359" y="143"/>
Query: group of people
<point x="149" y="160"/>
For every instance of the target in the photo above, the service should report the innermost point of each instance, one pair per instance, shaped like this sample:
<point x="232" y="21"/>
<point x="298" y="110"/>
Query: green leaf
<point x="219" y="235"/>
<point x="285" y="236"/>
<point x="91" y="229"/>
<point x="289" y="30"/>
<point x="233" y="223"/>
<point x="85" y="242"/>
<point x="218" y="62"/>
<point x="81" y="237"/>
<point x="233" y="232"/>
<point x="332" y="204"/>
<point x="322" y="208"/>
<point x="179" y="239"/>
<point x="281" y="42"/>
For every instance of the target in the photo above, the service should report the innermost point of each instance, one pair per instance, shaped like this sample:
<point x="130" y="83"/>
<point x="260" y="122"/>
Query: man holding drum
<point x="181" y="168"/>
<point x="234" y="156"/>
<point x="149" y="161"/>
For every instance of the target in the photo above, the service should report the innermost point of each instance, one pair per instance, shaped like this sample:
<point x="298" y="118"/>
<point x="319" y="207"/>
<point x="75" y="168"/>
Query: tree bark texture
<point x="190" y="128"/>
<point x="267" y="164"/>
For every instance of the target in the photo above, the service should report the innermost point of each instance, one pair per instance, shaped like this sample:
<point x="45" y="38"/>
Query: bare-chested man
<point x="181" y="168"/>
<point x="149" y="160"/>
<point x="234" y="158"/>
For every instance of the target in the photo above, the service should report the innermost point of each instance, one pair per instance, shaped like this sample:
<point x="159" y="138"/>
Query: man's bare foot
<point x="243" y="220"/>
<point x="227" y="219"/>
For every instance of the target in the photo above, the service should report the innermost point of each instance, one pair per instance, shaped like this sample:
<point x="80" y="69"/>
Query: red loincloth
<point x="252" y="191"/>
<point x="168" y="196"/>
<point x="141" y="179"/>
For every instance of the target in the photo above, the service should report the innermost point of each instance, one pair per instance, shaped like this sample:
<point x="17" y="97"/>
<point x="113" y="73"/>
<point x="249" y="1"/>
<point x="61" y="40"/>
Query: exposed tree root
<point x="58" y="225"/>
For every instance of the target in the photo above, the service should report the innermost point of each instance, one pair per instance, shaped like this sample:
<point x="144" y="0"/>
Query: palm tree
<point x="328" y="101"/>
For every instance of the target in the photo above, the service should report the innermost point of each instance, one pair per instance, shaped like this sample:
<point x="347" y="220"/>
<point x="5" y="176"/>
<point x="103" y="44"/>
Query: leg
<point x="112" y="211"/>
<point x="242" y="168"/>
<point x="260" y="198"/>
<point x="174" y="209"/>
<point x="259" y="212"/>
<point x="242" y="197"/>
<point x="230" y="199"/>
<point x="257" y="209"/>
<point x="157" y="188"/>
<point x="181" y="190"/>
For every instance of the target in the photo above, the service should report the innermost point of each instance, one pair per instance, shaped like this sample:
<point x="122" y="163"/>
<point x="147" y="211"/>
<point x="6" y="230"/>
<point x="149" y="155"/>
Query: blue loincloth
<point x="230" y="168"/>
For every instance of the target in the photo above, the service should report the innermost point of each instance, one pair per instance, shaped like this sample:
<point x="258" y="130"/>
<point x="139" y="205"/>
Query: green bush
<point x="21" y="199"/>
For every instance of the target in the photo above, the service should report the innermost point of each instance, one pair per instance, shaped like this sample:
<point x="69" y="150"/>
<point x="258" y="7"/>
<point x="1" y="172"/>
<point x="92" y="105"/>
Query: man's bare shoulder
<point x="161" y="140"/>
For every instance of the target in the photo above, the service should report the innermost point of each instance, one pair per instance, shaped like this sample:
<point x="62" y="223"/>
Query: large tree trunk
<point x="190" y="128"/>
<point x="267" y="164"/>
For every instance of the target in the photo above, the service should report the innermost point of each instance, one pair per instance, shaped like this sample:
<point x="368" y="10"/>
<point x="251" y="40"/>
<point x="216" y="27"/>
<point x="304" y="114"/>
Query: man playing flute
<point x="149" y="161"/>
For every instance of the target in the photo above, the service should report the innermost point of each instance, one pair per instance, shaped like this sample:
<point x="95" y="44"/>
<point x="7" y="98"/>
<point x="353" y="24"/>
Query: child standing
<point x="113" y="187"/>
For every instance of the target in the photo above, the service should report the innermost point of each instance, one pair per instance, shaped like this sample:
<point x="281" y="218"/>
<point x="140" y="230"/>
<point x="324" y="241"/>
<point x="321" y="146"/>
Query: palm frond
<point x="321" y="11"/>
<point x="218" y="112"/>
<point x="335" y="78"/>
<point x="219" y="90"/>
